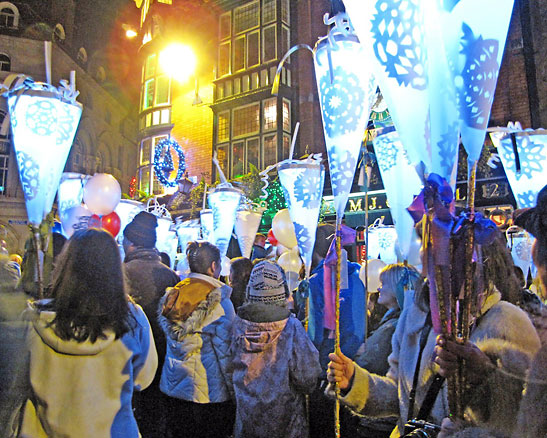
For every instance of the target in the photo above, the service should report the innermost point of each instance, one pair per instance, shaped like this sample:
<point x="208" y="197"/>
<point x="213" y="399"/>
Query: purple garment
<point x="275" y="364"/>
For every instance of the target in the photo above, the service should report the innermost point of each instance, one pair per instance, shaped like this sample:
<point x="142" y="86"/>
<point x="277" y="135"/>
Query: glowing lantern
<point x="401" y="182"/>
<point x="127" y="209"/>
<point x="346" y="93"/>
<point x="224" y="201"/>
<point x="246" y="227"/>
<point x="187" y="231"/>
<point x="381" y="243"/>
<point x="43" y="122"/>
<point x="302" y="182"/>
<point x="71" y="191"/>
<point x="520" y="243"/>
<point x="206" y="223"/>
<point x="166" y="238"/>
<point x="524" y="158"/>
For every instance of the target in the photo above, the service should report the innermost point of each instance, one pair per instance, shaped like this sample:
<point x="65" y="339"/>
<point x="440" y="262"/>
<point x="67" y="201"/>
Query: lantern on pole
<point x="187" y="231"/>
<point x="206" y="224"/>
<point x="224" y="201"/>
<point x="302" y="182"/>
<point x="246" y="226"/>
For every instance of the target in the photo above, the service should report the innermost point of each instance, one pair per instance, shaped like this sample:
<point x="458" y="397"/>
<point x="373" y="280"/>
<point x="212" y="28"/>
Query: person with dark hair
<point x="240" y="271"/>
<point x="90" y="346"/>
<point x="274" y="362"/>
<point x="502" y="341"/>
<point x="165" y="259"/>
<point x="147" y="279"/>
<point x="196" y="316"/>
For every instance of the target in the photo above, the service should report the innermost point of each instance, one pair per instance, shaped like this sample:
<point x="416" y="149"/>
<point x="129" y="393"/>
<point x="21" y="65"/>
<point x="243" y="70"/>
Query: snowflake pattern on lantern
<point x="39" y="118"/>
<point x="345" y="167"/>
<point x="387" y="152"/>
<point x="302" y="235"/>
<point x="65" y="124"/>
<point x="478" y="78"/>
<point x="526" y="199"/>
<point x="531" y="155"/>
<point x="447" y="149"/>
<point x="305" y="189"/>
<point x="386" y="240"/>
<point x="29" y="171"/>
<point x="342" y="101"/>
<point x="523" y="250"/>
<point x="398" y="41"/>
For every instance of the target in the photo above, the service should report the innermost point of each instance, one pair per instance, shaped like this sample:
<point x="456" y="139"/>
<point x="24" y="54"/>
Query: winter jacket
<point x="198" y="345"/>
<point x="503" y="332"/>
<point x="84" y="389"/>
<point x="352" y="314"/>
<point x="274" y="366"/>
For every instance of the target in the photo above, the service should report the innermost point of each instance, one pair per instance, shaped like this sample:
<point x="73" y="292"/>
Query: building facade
<point x="106" y="138"/>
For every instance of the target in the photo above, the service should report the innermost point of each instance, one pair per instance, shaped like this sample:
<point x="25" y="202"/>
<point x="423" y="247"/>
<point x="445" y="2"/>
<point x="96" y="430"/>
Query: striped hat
<point x="267" y="284"/>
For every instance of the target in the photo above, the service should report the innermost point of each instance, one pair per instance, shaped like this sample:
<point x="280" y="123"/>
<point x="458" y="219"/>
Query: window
<point x="150" y="67"/>
<point x="270" y="114"/>
<point x="269" y="42"/>
<point x="82" y="55"/>
<point x="3" y="115"/>
<point x="222" y="157"/>
<point x="286" y="115"/>
<point x="167" y="2"/>
<point x="224" y="126"/>
<point x="253" y="49"/>
<point x="246" y="17"/>
<point x="9" y="16"/>
<point x="246" y="120"/>
<point x="225" y="26"/>
<point x="286" y="146"/>
<point x="238" y="159"/>
<point x="239" y="54"/>
<point x="145" y="151"/>
<point x="285" y="11"/>
<point x="5" y="62"/>
<point x="268" y="11"/>
<point x="4" y="158"/>
<point x="270" y="149"/>
<point x="253" y="153"/>
<point x="156" y="90"/>
<point x="144" y="180"/>
<point x="59" y="32"/>
<point x="285" y="40"/>
<point x="224" y="59"/>
<point x="148" y="97"/>
<point x="162" y="90"/>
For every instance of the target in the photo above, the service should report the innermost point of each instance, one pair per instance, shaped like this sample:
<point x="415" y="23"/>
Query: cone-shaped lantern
<point x="224" y="201"/>
<point x="524" y="158"/>
<point x="44" y="120"/>
<point x="246" y="227"/>
<point x="166" y="238"/>
<point x="71" y="191"/>
<point x="346" y="93"/>
<point x="206" y="224"/>
<point x="302" y="182"/>
<point x="401" y="182"/>
<point x="474" y="34"/>
<point x="187" y="231"/>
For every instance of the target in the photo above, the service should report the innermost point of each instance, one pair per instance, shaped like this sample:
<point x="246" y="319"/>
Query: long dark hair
<point x="201" y="255"/>
<point x="88" y="288"/>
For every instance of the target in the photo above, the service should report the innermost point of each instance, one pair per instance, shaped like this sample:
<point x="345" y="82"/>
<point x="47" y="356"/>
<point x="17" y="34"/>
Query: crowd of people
<point x="126" y="348"/>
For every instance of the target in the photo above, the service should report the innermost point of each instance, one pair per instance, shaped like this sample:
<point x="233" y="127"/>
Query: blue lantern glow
<point x="43" y="127"/>
<point x="246" y="227"/>
<point x="302" y="182"/>
<point x="126" y="210"/>
<point x="401" y="182"/>
<point x="381" y="243"/>
<point x="166" y="240"/>
<point x="346" y="93"/>
<point x="187" y="231"/>
<point x="71" y="191"/>
<point x="169" y="162"/>
<point x="526" y="168"/>
<point x="224" y="201"/>
<point x="206" y="223"/>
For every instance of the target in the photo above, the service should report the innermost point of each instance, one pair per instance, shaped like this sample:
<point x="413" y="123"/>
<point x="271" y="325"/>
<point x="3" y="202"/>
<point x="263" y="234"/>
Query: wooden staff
<point x="337" y="349"/>
<point x="39" y="282"/>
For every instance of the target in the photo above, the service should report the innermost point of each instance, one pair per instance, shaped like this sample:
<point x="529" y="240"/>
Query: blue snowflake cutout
<point x="29" y="170"/>
<point x="342" y="101"/>
<point x="302" y="235"/>
<point x="306" y="189"/>
<point x="342" y="169"/>
<point x="40" y="118"/>
<point x="398" y="41"/>
<point x="523" y="250"/>
<point x="386" y="240"/>
<point x="65" y="124"/>
<point x="479" y="76"/>
<point x="526" y="199"/>
<point x="448" y="146"/>
<point x="386" y="151"/>
<point x="531" y="157"/>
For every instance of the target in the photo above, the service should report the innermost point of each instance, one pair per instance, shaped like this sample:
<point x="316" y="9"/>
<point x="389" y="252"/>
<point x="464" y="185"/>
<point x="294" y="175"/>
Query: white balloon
<point x="281" y="249"/>
<point x="102" y="194"/>
<point x="283" y="229"/>
<point x="290" y="261"/>
<point x="375" y="266"/>
<point x="75" y="219"/>
<point x="292" y="280"/>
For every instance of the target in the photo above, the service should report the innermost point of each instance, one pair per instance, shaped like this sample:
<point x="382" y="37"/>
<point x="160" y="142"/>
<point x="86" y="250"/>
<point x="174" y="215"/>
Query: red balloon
<point x="95" y="222"/>
<point x="111" y="223"/>
<point x="271" y="238"/>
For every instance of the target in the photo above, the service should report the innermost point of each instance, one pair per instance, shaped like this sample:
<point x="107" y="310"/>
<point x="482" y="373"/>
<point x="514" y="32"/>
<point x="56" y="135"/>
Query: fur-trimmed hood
<point x="205" y="310"/>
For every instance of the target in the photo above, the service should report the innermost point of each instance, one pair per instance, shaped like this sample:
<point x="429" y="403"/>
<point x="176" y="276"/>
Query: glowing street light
<point x="178" y="61"/>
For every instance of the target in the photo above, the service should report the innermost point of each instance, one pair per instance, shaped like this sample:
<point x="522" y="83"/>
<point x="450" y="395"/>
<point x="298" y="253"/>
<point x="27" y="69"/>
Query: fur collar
<point x="178" y="330"/>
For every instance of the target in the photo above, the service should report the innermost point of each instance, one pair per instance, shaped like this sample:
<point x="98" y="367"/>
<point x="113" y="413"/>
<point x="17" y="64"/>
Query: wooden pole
<point x="337" y="349"/>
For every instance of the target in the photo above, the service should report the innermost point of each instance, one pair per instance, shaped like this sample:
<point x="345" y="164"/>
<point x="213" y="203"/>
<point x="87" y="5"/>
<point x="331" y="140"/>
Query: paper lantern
<point x="246" y="227"/>
<point x="75" y="219"/>
<point x="302" y="182"/>
<point x="206" y="222"/>
<point x="187" y="231"/>
<point x="381" y="243"/>
<point x="524" y="158"/>
<point x="43" y="123"/>
<point x="401" y="182"/>
<point x="127" y="209"/>
<point x="224" y="201"/>
<point x="520" y="244"/>
<point x="166" y="238"/>
<point x="474" y="35"/>
<point x="71" y="191"/>
<point x="346" y="93"/>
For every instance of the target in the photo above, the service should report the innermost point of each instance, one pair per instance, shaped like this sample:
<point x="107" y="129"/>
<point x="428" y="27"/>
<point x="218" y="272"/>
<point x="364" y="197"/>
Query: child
<point x="274" y="362"/>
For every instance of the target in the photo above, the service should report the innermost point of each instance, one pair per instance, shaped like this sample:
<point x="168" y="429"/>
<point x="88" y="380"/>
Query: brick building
<point x="106" y="137"/>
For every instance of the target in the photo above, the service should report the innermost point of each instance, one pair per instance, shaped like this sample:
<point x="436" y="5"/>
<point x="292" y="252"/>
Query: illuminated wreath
<point x="163" y="162"/>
